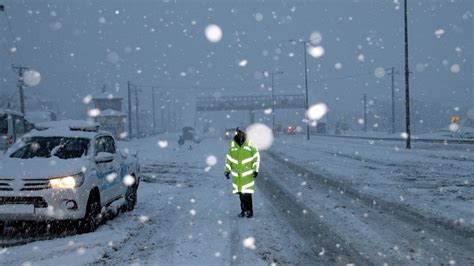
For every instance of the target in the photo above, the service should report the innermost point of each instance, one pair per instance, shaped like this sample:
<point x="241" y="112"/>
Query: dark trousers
<point x="246" y="202"/>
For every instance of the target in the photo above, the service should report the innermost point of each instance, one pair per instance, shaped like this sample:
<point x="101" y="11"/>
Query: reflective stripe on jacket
<point x="241" y="162"/>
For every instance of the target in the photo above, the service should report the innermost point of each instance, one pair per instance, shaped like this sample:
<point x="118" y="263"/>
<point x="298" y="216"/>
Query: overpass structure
<point x="249" y="103"/>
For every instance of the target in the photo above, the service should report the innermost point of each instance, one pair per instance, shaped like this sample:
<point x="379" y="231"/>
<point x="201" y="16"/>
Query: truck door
<point x="116" y="184"/>
<point x="106" y="172"/>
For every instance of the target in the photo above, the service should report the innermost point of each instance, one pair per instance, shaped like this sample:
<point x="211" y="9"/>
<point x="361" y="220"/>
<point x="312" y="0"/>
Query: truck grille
<point x="35" y="184"/>
<point x="5" y="184"/>
<point x="38" y="202"/>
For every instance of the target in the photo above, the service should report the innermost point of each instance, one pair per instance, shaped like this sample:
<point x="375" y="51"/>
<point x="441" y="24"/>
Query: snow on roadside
<point x="436" y="182"/>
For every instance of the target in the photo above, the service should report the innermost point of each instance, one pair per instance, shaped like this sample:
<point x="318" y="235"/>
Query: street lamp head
<point x="2" y="7"/>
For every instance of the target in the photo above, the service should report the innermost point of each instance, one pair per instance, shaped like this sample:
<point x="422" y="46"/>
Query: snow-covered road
<point x="305" y="211"/>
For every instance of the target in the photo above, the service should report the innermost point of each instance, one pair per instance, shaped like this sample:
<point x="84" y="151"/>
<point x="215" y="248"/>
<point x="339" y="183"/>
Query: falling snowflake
<point x="454" y="127"/>
<point x="87" y="99"/>
<point x="322" y="252"/>
<point x="455" y="68"/>
<point x="32" y="77"/>
<point x="143" y="218"/>
<point x="93" y="112"/>
<point x="316" y="51"/>
<point x="261" y="135"/>
<point x="315" y="38"/>
<point x="317" y="111"/>
<point x="439" y="33"/>
<point x="128" y="180"/>
<point x="379" y="72"/>
<point x="213" y="33"/>
<point x="163" y="144"/>
<point x="249" y="243"/>
<point x="211" y="160"/>
<point x="243" y="63"/>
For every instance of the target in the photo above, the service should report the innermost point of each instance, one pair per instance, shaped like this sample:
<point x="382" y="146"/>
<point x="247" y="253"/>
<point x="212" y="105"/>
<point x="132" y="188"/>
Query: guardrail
<point x="419" y="140"/>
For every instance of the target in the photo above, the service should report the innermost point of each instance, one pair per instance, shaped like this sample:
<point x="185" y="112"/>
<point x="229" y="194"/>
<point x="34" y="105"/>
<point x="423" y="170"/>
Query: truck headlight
<point x="71" y="181"/>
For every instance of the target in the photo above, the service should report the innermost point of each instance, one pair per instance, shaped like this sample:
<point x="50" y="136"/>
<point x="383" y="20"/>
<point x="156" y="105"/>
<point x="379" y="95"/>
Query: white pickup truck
<point x="67" y="170"/>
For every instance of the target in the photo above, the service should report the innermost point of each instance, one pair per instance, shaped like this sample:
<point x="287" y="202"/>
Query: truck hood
<point x="41" y="167"/>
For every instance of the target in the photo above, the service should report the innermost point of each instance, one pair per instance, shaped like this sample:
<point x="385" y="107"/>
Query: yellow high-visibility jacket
<point x="241" y="162"/>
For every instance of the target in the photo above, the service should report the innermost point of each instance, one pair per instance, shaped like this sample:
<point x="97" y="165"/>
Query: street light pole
<point x="407" y="81"/>
<point x="305" y="80"/>
<point x="365" y="112"/>
<point x="272" y="74"/>
<point x="154" y="110"/>
<point x="306" y="85"/>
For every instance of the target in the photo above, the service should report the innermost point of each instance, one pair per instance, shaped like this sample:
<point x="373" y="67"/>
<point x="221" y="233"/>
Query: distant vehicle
<point x="66" y="171"/>
<point x="229" y="133"/>
<point x="12" y="126"/>
<point x="188" y="134"/>
<point x="290" y="130"/>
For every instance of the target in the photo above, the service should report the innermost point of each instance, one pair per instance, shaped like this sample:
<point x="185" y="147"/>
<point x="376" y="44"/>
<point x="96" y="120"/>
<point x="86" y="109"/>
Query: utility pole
<point x="392" y="73"/>
<point x="168" y="113"/>
<point x="154" y="110"/>
<point x="365" y="112"/>
<point x="20" y="70"/>
<point x="162" y="107"/>
<point x="407" y="81"/>
<point x="129" y="109"/>
<point x="137" y="114"/>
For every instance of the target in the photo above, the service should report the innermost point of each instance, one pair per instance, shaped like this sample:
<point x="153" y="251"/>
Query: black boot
<point x="241" y="214"/>
<point x="249" y="214"/>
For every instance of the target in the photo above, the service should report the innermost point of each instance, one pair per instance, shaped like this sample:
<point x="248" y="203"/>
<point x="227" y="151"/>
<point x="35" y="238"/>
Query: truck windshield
<point x="3" y="124"/>
<point x="45" y="147"/>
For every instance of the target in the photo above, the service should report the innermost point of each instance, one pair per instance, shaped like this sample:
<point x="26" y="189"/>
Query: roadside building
<point x="111" y="118"/>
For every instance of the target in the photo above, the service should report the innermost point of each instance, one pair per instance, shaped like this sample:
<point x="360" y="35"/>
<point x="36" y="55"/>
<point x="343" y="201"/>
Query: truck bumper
<point x="43" y="205"/>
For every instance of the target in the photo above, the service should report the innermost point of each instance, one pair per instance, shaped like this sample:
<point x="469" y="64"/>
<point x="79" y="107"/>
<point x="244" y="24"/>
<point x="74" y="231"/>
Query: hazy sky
<point x="78" y="46"/>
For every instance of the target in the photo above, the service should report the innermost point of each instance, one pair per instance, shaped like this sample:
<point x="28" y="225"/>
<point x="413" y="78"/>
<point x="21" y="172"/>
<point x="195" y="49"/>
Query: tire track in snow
<point x="399" y="219"/>
<point x="235" y="246"/>
<point x="398" y="210"/>
<point x="325" y="246"/>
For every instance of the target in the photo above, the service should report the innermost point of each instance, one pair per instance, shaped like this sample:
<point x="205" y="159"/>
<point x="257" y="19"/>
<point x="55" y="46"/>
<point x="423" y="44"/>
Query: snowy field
<point x="186" y="213"/>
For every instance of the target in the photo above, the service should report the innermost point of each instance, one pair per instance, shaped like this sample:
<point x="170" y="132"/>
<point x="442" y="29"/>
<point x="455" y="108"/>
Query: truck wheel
<point x="92" y="218"/>
<point x="131" y="198"/>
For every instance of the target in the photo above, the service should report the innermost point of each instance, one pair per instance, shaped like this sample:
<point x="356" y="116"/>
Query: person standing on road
<point x="242" y="162"/>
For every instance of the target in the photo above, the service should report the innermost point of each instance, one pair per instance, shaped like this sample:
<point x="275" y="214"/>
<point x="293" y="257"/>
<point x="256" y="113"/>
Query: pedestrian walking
<point x="242" y="162"/>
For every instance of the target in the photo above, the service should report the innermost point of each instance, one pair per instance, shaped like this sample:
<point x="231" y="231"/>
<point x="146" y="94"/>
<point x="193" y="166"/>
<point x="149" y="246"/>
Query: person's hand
<point x="255" y="174"/>
<point x="227" y="175"/>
